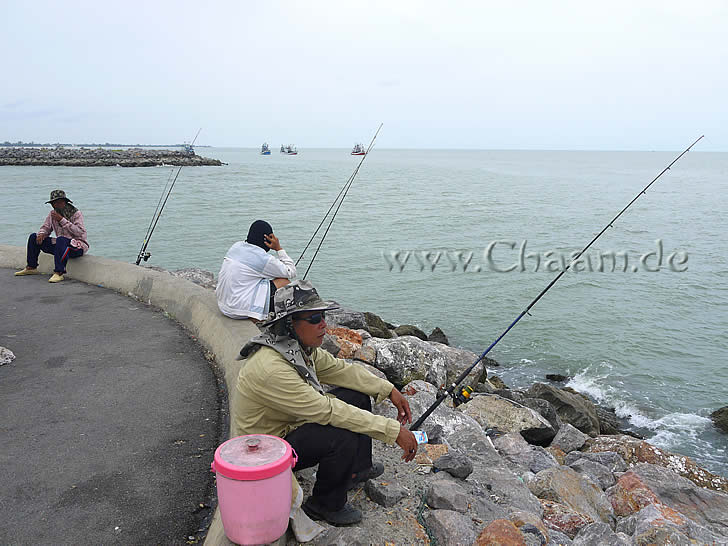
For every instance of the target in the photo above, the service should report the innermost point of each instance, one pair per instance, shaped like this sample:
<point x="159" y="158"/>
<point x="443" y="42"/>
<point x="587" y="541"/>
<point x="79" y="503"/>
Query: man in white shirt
<point x="250" y="276"/>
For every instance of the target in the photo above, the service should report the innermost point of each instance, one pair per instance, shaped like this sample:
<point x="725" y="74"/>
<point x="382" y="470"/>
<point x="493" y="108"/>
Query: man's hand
<point x="40" y="238"/>
<point x="57" y="217"/>
<point x="404" y="415"/>
<point x="407" y="441"/>
<point x="271" y="241"/>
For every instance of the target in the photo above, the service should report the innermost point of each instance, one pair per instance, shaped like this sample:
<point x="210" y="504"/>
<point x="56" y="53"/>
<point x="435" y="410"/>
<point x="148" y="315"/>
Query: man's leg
<point x="62" y="252"/>
<point x="334" y="450"/>
<point x="34" y="249"/>
<point x="363" y="458"/>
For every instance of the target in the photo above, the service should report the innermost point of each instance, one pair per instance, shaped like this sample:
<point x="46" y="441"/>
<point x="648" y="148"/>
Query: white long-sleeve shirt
<point x="243" y="286"/>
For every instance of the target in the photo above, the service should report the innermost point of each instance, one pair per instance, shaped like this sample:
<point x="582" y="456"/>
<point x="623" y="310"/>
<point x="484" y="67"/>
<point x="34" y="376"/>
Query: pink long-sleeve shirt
<point x="73" y="229"/>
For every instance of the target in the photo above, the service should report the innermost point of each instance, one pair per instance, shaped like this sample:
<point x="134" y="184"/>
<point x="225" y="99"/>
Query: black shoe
<point x="376" y="470"/>
<point x="346" y="516"/>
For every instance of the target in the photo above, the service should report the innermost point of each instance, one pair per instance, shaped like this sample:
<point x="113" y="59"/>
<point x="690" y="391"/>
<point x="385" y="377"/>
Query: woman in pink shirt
<point x="70" y="241"/>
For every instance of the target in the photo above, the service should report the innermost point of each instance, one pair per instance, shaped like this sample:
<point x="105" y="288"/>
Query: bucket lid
<point x="253" y="457"/>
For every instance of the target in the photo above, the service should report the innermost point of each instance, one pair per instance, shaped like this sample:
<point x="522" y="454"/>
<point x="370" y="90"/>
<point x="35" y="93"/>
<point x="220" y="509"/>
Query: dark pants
<point x="61" y="251"/>
<point x="338" y="452"/>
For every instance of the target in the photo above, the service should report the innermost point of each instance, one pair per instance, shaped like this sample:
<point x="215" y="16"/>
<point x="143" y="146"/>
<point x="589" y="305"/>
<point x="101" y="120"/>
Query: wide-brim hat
<point x="58" y="194"/>
<point x="296" y="297"/>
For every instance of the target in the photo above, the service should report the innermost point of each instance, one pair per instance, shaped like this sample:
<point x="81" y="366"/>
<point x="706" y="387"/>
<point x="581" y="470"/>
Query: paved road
<point x="108" y="419"/>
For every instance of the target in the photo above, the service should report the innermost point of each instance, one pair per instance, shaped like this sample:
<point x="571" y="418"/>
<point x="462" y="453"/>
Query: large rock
<point x="500" y="531"/>
<point x="610" y="459"/>
<point x="447" y="495"/>
<point x="569" y="438"/>
<point x="598" y="473"/>
<point x="376" y="326"/>
<point x="600" y="533"/>
<point x="450" y="528"/>
<point x="720" y="418"/>
<point x="523" y="455"/>
<point x="635" y="451"/>
<point x="655" y="520"/>
<point x="565" y="486"/>
<point x="571" y="408"/>
<point x="492" y="411"/>
<point x="563" y="518"/>
<point x="410" y="330"/>
<point x="651" y="484"/>
<point x="438" y="336"/>
<point x="347" y="318"/>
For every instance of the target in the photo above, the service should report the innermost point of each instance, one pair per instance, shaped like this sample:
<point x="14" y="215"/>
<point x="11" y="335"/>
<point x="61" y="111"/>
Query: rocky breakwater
<point x="540" y="466"/>
<point x="101" y="157"/>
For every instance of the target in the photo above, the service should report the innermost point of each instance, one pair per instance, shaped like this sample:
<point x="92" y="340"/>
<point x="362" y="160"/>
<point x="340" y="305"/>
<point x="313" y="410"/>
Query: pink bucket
<point x="254" y="487"/>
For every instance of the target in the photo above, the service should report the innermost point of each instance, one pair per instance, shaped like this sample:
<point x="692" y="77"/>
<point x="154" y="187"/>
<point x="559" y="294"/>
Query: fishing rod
<point x="344" y="190"/>
<point x="143" y="254"/>
<point x="461" y="396"/>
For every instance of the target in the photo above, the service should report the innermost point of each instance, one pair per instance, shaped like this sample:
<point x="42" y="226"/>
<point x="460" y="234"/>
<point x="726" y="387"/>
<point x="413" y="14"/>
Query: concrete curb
<point x="189" y="304"/>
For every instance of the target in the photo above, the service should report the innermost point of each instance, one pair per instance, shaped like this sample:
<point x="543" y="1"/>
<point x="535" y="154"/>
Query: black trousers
<point x="338" y="452"/>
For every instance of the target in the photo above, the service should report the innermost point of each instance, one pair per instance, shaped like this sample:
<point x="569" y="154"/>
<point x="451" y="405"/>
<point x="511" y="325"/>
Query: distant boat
<point x="358" y="150"/>
<point x="265" y="149"/>
<point x="289" y="150"/>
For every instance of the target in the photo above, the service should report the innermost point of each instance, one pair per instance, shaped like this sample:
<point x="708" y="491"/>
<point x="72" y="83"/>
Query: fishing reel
<point x="145" y="256"/>
<point x="462" y="397"/>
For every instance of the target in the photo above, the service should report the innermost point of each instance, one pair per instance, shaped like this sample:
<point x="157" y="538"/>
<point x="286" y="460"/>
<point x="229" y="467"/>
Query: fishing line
<point x="344" y="190"/>
<point x="460" y="397"/>
<point x="143" y="254"/>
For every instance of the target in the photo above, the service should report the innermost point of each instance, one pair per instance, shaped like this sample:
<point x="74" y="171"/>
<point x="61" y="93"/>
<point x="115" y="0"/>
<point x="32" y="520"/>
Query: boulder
<point x="410" y="330"/>
<point x="611" y="460"/>
<point x="569" y="438"/>
<point x="571" y="408"/>
<point x="493" y="411"/>
<point x="376" y="326"/>
<point x="565" y="486"/>
<point x="385" y="494"/>
<point x="600" y="533"/>
<point x="720" y="418"/>
<point x="366" y="354"/>
<point x="450" y="527"/>
<point x="347" y="318"/>
<point x="438" y="336"/>
<point x="659" y="520"/>
<point x="500" y="531"/>
<point x="556" y="377"/>
<point x="522" y="455"/>
<point x="635" y="451"/>
<point x="407" y="358"/>
<point x="703" y="506"/>
<point x="447" y="495"/>
<point x="598" y="473"/>
<point x="563" y="518"/>
<point x="455" y="463"/>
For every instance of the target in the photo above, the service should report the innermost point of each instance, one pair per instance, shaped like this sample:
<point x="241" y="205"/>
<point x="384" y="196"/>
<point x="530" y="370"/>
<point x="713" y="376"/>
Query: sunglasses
<point x="313" y="319"/>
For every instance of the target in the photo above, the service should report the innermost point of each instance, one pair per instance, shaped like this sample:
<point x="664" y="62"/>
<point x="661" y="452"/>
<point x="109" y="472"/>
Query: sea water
<point x="465" y="240"/>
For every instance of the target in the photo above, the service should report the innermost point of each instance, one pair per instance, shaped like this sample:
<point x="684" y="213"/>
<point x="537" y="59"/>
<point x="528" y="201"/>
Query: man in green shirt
<point x="279" y="392"/>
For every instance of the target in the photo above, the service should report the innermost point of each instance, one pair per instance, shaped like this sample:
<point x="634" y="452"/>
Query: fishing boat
<point x="289" y="149"/>
<point x="358" y="150"/>
<point x="265" y="149"/>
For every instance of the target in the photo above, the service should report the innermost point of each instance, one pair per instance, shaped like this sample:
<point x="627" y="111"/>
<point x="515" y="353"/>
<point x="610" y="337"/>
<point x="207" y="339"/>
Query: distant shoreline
<point x="20" y="144"/>
<point x="101" y="157"/>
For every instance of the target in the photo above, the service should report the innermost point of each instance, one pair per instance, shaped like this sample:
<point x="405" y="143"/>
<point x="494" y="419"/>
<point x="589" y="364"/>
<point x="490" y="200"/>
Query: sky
<point x="569" y="75"/>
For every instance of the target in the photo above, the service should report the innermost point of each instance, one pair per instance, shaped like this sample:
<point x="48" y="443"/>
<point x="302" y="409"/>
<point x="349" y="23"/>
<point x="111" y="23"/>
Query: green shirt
<point x="272" y="398"/>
